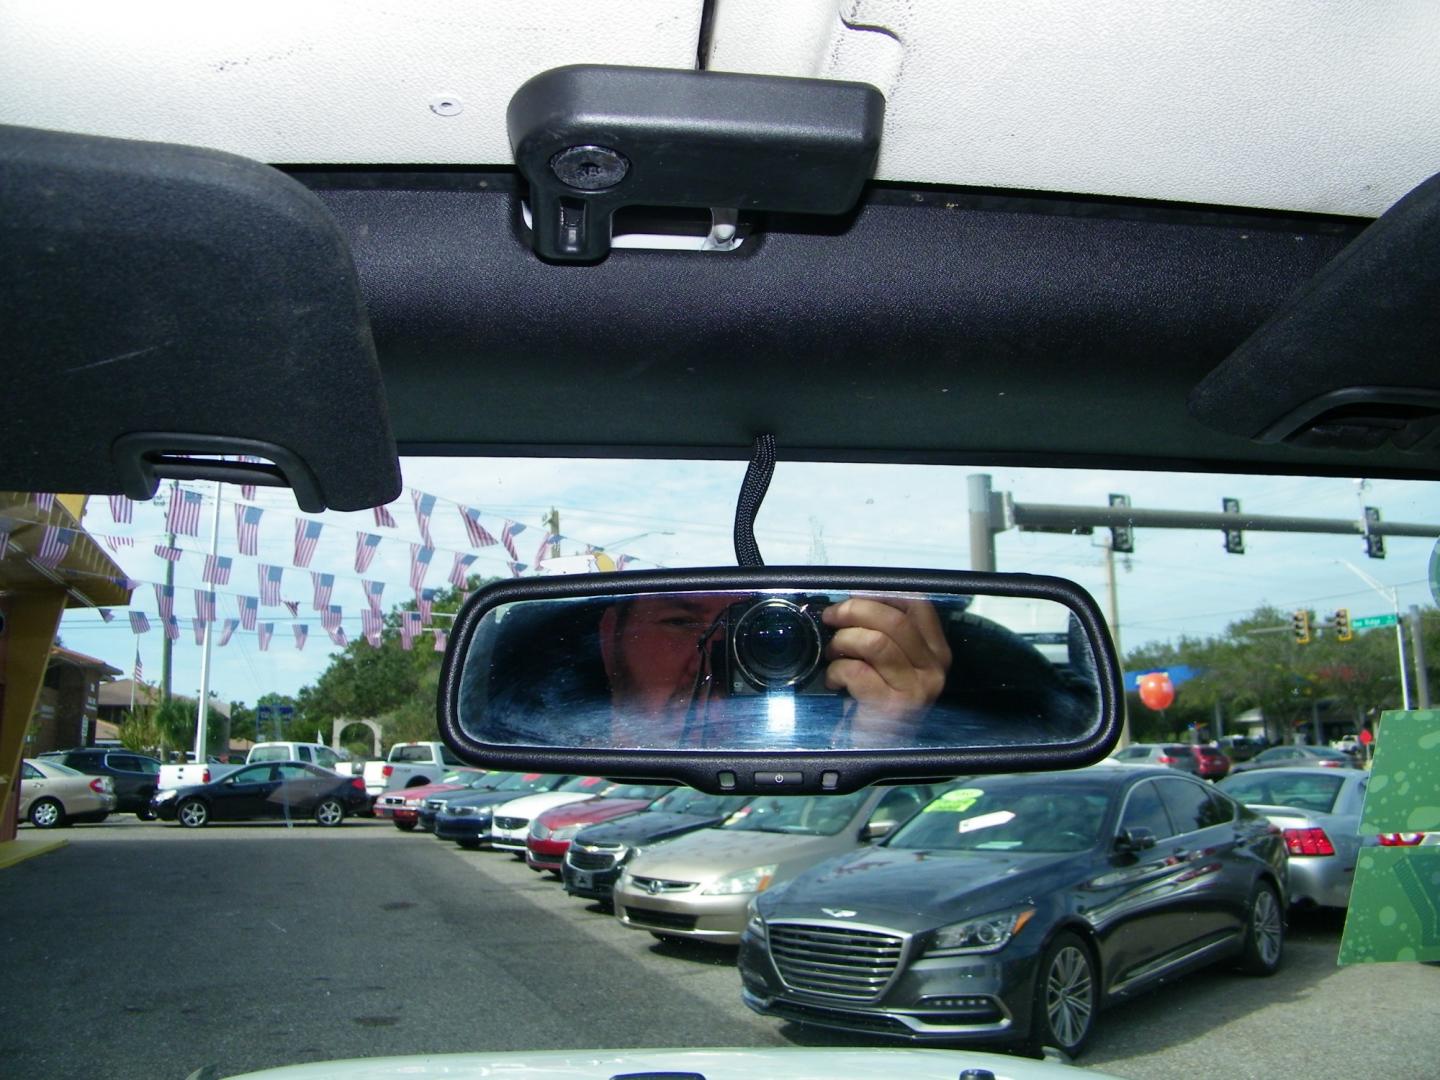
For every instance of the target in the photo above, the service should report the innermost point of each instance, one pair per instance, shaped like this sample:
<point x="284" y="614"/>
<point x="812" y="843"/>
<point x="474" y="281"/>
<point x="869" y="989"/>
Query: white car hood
<point x="775" y="1064"/>
<point x="527" y="806"/>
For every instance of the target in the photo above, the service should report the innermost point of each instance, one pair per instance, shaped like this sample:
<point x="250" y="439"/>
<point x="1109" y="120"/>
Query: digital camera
<point x="776" y="643"/>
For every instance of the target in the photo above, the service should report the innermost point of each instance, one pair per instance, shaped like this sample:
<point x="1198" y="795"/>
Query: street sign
<point x="1369" y="622"/>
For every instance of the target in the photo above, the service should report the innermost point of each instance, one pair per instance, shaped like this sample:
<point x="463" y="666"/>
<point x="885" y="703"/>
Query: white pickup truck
<point x="187" y="775"/>
<point x="409" y="764"/>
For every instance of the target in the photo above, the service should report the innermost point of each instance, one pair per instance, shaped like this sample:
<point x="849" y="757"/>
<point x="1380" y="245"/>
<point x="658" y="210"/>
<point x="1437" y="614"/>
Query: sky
<point x="680" y="513"/>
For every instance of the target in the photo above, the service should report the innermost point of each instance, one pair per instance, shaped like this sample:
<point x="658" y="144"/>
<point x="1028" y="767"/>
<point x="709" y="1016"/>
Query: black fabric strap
<point x="752" y="494"/>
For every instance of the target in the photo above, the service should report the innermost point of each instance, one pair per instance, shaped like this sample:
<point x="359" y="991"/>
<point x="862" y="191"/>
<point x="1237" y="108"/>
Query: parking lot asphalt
<point x="145" y="950"/>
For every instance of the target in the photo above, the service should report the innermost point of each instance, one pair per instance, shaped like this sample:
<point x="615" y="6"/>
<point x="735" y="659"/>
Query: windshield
<point x="334" y="938"/>
<point x="818" y="815"/>
<point x="1005" y="813"/>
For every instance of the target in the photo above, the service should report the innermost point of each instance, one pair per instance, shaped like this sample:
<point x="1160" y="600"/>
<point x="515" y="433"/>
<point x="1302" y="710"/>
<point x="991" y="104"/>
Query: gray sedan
<point x="1318" y="811"/>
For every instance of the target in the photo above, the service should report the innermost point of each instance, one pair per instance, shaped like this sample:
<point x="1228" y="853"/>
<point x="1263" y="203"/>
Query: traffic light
<point x="1342" y="625"/>
<point x="1122" y="537"/>
<point x="1300" y="627"/>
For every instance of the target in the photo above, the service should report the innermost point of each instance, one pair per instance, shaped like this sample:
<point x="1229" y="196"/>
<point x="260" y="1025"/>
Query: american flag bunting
<point x="516" y="568"/>
<point x="507" y="537"/>
<point x="227" y="628"/>
<point x="373" y="591"/>
<point x="183" y="514"/>
<point x="217" y="569"/>
<point x="420" y="557"/>
<point x="302" y="632"/>
<point x="204" y="606"/>
<point x="165" y="600"/>
<point x="384" y="519"/>
<point x="440" y="637"/>
<point x="307" y="535"/>
<point x="425" y="604"/>
<point x="247" y="528"/>
<point x="371" y="624"/>
<point x="54" y="546"/>
<point x="45" y="500"/>
<point x="169" y="554"/>
<point x="479" y="535"/>
<point x="461" y="569"/>
<point x="270" y="577"/>
<point x="409" y="627"/>
<point x="337" y="635"/>
<point x="198" y="627"/>
<point x="424" y="507"/>
<point x="324" y="585"/>
<point x="106" y="615"/>
<point x="267" y="630"/>
<point x="139" y="623"/>
<point x="122" y="510"/>
<point x="543" y="552"/>
<point x="292" y="606"/>
<point x="172" y="628"/>
<point x="249" y="609"/>
<point x="366" y="544"/>
<point x="330" y="618"/>
<point x="115" y="543"/>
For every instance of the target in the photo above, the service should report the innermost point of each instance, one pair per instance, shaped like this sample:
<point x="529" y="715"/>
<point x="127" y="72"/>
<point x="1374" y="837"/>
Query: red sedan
<point x="403" y="806"/>
<point x="552" y="831"/>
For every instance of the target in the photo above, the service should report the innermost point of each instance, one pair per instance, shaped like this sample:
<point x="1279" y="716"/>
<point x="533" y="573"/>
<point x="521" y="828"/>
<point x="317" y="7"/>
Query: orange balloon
<point x="1156" y="690"/>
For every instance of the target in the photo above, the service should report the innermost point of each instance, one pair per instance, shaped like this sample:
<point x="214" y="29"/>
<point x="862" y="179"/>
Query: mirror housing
<point x="1135" y="839"/>
<point x="875" y="830"/>
<point x="522" y="693"/>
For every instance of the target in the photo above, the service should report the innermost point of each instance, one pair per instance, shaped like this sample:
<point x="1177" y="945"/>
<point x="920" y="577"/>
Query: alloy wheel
<point x="1069" y="995"/>
<point x="1267" y="927"/>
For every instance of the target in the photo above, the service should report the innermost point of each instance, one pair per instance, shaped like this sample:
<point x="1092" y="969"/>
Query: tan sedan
<point x="52" y="795"/>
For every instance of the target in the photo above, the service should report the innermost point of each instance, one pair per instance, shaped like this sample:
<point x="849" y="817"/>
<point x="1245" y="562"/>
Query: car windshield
<point x="817" y="815"/>
<point x="1008" y="813"/>
<point x="1317" y="791"/>
<point x="686" y="800"/>
<point x="590" y="785"/>
<point x="527" y="782"/>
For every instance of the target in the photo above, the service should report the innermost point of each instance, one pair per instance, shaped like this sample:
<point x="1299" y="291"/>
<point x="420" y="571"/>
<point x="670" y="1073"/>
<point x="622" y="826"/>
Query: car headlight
<point x="983" y="934"/>
<point x="567" y="833"/>
<point x="756" y="879"/>
<point x="166" y="795"/>
<point x="539" y="832"/>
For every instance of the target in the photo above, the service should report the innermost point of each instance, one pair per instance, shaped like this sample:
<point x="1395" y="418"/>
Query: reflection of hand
<point x="892" y="658"/>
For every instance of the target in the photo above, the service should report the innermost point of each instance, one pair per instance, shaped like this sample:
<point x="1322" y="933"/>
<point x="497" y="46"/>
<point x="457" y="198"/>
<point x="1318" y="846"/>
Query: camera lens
<point x="776" y="644"/>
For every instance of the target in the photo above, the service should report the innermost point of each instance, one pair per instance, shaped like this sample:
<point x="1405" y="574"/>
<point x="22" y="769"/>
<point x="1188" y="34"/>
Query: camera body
<point x="774" y="644"/>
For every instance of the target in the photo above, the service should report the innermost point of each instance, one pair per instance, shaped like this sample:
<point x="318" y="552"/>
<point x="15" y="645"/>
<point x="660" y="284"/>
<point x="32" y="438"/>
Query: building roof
<point x="117" y="695"/>
<point x="79" y="659"/>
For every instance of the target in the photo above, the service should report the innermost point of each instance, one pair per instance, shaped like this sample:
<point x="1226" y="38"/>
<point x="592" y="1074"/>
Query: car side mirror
<point x="876" y="829"/>
<point x="1137" y="838"/>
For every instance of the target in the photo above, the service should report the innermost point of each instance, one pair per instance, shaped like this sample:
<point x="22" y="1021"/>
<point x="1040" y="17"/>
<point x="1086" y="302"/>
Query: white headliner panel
<point x="333" y="81"/>
<point x="1306" y="106"/>
<point x="1291" y="105"/>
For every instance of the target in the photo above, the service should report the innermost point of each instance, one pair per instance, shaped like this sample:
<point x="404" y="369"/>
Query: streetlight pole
<point x="1393" y="595"/>
<point x="203" y="711"/>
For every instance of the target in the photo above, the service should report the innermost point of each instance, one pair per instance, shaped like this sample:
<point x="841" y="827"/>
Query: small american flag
<point x="247" y="491"/>
<point x="247" y="528"/>
<point x="183" y="515"/>
<point x="139" y="624"/>
<point x="139" y="667"/>
<point x="302" y="632"/>
<point x="330" y="618"/>
<point x="270" y="584"/>
<point x="226" y="630"/>
<point x="129" y="584"/>
<point x="460" y="570"/>
<point x="198" y="627"/>
<point x="54" y="546"/>
<point x="217" y="569"/>
<point x="122" y="510"/>
<point x="172" y="628"/>
<point x="307" y="535"/>
<point x="507" y="537"/>
<point x="169" y="554"/>
<point x="106" y="614"/>
<point x="383" y="518"/>
<point x="373" y="590"/>
<point x="45" y="501"/>
<point x="337" y="635"/>
<point x="543" y="552"/>
<point x="165" y="600"/>
<point x="440" y="637"/>
<point x="420" y="557"/>
<point x="292" y="606"/>
<point x="425" y="603"/>
<point x="267" y="630"/>
<point x="371" y="624"/>
<point x="324" y="585"/>
<point x="409" y="627"/>
<point x="249" y="608"/>
<point x="204" y="606"/>
<point x="479" y="536"/>
<point x="516" y="568"/>
<point x="366" y="544"/>
<point x="115" y="543"/>
<point x="424" y="507"/>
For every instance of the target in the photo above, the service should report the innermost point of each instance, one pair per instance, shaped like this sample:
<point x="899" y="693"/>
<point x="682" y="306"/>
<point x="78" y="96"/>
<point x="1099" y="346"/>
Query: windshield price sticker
<point x="986" y="821"/>
<point x="955" y="802"/>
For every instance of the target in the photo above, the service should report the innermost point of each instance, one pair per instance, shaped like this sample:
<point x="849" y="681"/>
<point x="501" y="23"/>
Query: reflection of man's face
<point x="650" y="648"/>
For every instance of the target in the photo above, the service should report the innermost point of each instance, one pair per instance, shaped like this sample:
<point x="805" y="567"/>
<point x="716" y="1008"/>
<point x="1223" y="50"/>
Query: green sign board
<point x="1369" y="622"/>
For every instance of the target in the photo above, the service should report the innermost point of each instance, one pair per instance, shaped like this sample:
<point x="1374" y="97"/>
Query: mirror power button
<point x="779" y="779"/>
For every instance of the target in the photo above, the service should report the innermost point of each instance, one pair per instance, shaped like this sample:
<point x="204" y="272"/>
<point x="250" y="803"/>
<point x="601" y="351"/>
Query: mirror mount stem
<point x="752" y="494"/>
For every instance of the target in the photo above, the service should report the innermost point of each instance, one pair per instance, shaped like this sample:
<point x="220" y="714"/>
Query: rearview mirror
<point x="804" y="680"/>
<point x="877" y="829"/>
<point x="1136" y="838"/>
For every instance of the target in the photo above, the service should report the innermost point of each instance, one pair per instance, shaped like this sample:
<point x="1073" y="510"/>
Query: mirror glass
<point x="779" y="671"/>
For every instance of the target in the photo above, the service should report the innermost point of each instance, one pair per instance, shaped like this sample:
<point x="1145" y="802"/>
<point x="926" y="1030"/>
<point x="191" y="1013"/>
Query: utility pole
<point x="1393" y="595"/>
<point x="1113" y="594"/>
<point x="1417" y="653"/>
<point x="203" y="711"/>
<point x="552" y="524"/>
<point x="166" y="645"/>
<point x="983" y="527"/>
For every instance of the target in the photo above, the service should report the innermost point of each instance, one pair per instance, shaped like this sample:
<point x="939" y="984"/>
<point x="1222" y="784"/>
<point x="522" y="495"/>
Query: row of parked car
<point x="1211" y="762"/>
<point x="990" y="909"/>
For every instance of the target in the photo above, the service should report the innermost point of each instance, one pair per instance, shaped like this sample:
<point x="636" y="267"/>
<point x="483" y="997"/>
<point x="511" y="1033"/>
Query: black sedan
<point x="466" y="818"/>
<point x="599" y="852"/>
<point x="275" y="789"/>
<point x="1013" y="908"/>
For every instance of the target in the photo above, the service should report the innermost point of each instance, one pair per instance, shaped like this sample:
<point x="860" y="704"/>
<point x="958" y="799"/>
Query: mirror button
<point x="727" y="780"/>
<point x="779" y="779"/>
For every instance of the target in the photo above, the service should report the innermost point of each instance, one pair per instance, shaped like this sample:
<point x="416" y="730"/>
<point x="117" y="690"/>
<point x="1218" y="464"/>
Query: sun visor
<point x="167" y="307"/>
<point x="1349" y="361"/>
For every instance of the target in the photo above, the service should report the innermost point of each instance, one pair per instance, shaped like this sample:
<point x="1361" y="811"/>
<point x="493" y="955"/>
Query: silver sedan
<point x="1318" y="811"/>
<point x="52" y="795"/>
